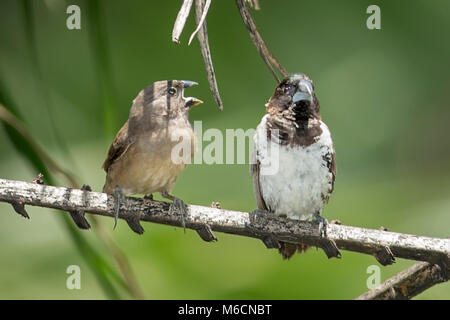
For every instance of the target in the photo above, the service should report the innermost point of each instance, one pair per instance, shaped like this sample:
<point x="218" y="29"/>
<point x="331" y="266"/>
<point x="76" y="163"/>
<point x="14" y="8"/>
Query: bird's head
<point x="165" y="98"/>
<point x="294" y="98"/>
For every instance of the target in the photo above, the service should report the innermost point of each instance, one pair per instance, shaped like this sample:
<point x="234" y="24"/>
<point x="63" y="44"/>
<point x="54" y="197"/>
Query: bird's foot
<point x="179" y="207"/>
<point x="120" y="198"/>
<point x="323" y="224"/>
<point x="259" y="212"/>
<point x="329" y="246"/>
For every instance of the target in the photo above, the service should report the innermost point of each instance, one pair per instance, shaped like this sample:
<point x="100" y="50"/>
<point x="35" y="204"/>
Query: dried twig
<point x="265" y="53"/>
<point x="409" y="283"/>
<point x="254" y="4"/>
<point x="181" y="20"/>
<point x="200" y="21"/>
<point x="206" y="53"/>
<point x="367" y="241"/>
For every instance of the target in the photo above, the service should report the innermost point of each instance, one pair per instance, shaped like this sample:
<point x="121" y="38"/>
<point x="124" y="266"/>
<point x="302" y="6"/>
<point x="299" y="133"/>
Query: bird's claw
<point x="323" y="224"/>
<point x="178" y="207"/>
<point x="259" y="212"/>
<point x="120" y="198"/>
<point x="329" y="246"/>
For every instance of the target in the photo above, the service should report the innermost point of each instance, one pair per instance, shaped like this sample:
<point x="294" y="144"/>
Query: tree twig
<point x="367" y="241"/>
<point x="254" y="4"/>
<point x="409" y="283"/>
<point x="202" y="37"/>
<point x="181" y="20"/>
<point x="202" y="19"/>
<point x="264" y="51"/>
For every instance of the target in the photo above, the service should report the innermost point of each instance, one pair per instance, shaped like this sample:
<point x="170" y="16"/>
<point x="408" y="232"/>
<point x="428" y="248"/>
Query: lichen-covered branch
<point x="409" y="283"/>
<point x="207" y="219"/>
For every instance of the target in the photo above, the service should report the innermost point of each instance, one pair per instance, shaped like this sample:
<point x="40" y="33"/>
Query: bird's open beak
<point x="191" y="101"/>
<point x="188" y="83"/>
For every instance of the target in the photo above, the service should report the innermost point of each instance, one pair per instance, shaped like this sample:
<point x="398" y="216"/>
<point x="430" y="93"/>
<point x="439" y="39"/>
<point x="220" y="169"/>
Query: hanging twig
<point x="200" y="21"/>
<point x="265" y="53"/>
<point x="254" y="4"/>
<point x="203" y="41"/>
<point x="409" y="283"/>
<point x="181" y="20"/>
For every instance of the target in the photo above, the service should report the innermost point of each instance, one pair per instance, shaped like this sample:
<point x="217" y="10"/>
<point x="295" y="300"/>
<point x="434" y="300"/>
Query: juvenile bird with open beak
<point x="139" y="160"/>
<point x="292" y="139"/>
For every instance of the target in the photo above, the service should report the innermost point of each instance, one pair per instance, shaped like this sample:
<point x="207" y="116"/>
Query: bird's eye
<point x="287" y="89"/>
<point x="172" y="91"/>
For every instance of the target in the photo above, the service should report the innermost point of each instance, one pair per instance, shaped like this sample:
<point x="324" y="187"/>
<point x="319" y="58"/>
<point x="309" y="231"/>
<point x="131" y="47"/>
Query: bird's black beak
<point x="188" y="83"/>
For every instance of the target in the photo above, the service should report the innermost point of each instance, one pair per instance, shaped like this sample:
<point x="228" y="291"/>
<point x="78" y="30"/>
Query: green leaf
<point x="100" y="51"/>
<point x="100" y="266"/>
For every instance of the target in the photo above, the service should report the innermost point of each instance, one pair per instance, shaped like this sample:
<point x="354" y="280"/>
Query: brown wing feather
<point x="254" y="171"/>
<point x="119" y="146"/>
<point x="330" y="159"/>
<point x="333" y="169"/>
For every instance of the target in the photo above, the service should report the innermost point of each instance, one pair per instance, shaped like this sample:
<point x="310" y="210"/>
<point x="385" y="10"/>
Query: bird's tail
<point x="287" y="250"/>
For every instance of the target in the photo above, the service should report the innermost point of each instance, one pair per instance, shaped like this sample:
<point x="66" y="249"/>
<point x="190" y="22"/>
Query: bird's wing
<point x="330" y="160"/>
<point x="118" y="148"/>
<point x="254" y="171"/>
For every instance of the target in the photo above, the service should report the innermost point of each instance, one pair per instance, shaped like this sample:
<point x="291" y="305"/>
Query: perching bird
<point x="140" y="160"/>
<point x="293" y="161"/>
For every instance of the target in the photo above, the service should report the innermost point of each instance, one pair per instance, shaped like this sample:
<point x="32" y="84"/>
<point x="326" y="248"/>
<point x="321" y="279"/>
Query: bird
<point x="293" y="159"/>
<point x="140" y="159"/>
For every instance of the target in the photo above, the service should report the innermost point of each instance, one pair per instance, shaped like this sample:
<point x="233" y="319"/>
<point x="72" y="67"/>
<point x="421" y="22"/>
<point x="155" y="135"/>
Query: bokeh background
<point x="384" y="94"/>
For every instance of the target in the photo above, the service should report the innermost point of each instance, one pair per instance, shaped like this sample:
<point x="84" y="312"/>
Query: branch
<point x="201" y="10"/>
<point x="408" y="283"/>
<point x="200" y="17"/>
<point x="264" y="51"/>
<point x="204" y="220"/>
<point x="202" y="36"/>
<point x="181" y="20"/>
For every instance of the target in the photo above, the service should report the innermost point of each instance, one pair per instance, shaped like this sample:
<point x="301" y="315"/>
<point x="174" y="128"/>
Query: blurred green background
<point x="384" y="94"/>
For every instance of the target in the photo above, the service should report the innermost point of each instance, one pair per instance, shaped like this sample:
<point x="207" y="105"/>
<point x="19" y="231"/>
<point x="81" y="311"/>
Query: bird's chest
<point x="159" y="158"/>
<point x="294" y="179"/>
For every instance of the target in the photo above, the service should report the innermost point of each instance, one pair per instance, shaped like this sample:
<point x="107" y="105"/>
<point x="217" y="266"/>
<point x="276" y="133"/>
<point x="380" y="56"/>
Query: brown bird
<point x="140" y="159"/>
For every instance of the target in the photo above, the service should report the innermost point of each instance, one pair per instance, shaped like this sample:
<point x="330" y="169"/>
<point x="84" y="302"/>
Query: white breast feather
<point x="302" y="178"/>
